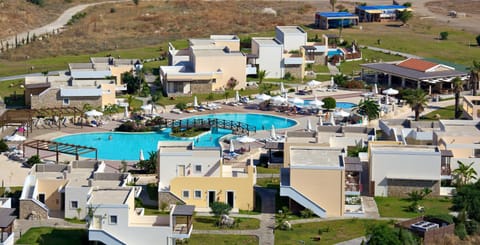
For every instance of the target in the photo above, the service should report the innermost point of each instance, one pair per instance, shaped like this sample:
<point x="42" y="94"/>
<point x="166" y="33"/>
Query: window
<point x="74" y="204"/>
<point x="113" y="219"/>
<point x="186" y="194"/>
<point x="198" y="194"/>
<point x="198" y="168"/>
<point x="66" y="101"/>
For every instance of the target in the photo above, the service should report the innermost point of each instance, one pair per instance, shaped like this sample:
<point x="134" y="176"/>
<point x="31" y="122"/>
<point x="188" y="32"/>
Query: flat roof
<point x="291" y="29"/>
<point x="6" y="217"/>
<point x="215" y="52"/>
<point x="325" y="157"/>
<point x="81" y="92"/>
<point x="396" y="70"/>
<point x="380" y="7"/>
<point x="183" y="210"/>
<point x="402" y="148"/>
<point x="267" y="41"/>
<point x="110" y="196"/>
<point x="336" y="14"/>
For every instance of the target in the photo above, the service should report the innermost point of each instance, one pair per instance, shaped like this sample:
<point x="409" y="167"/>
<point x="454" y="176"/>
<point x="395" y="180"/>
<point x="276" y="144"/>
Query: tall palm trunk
<point x="457" y="100"/>
<point x="417" y="114"/>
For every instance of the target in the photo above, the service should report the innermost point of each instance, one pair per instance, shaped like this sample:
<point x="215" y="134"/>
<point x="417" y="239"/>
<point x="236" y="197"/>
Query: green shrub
<point x="478" y="40"/>
<point x="472" y="227"/>
<point x="112" y="10"/>
<point x="181" y="106"/>
<point x="306" y="213"/>
<point x="461" y="231"/>
<point x="3" y="146"/>
<point x="329" y="103"/>
<point x="35" y="159"/>
<point x="443" y="35"/>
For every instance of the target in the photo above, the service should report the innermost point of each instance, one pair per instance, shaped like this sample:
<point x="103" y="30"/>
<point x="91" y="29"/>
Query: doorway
<point x="231" y="198"/>
<point x="211" y="197"/>
<point x="41" y="197"/>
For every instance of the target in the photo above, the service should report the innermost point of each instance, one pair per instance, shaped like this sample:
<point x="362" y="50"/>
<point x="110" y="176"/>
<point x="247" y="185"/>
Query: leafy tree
<point x="474" y="75"/>
<point x="210" y="97"/>
<point x="381" y="234"/>
<point x="444" y="35"/>
<point x="150" y="165"/>
<point x="465" y="173"/>
<point x="407" y="4"/>
<point x="467" y="199"/>
<point x="226" y="94"/>
<point x="332" y="3"/>
<point x="417" y="99"/>
<point x="261" y="74"/>
<point x="404" y="16"/>
<point x="35" y="159"/>
<point x="340" y="79"/>
<point x="133" y="82"/>
<point x="457" y="89"/>
<point x="136" y="2"/>
<point x="369" y="108"/>
<point x="329" y="103"/>
<point x="37" y="2"/>
<point x="415" y="197"/>
<point x="478" y="40"/>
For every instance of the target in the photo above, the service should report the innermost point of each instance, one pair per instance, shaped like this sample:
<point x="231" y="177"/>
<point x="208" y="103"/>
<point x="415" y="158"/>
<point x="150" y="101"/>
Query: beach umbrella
<point x="14" y="137"/>
<point x="390" y="91"/>
<point x="375" y="89"/>
<point x="147" y="107"/>
<point x="341" y="113"/>
<point x="313" y="83"/>
<point x="320" y="121"/>
<point x="195" y="101"/>
<point x="232" y="147"/>
<point x="309" y="125"/>
<point x="282" y="88"/>
<point x="278" y="100"/>
<point x="126" y="112"/>
<point x="316" y="103"/>
<point x="295" y="100"/>
<point x="263" y="97"/>
<point x="245" y="139"/>
<point x="141" y="155"/>
<point x="237" y="96"/>
<point x="273" y="134"/>
<point x="93" y="113"/>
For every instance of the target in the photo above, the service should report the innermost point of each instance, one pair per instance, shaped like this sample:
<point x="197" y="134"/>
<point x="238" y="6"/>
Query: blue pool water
<point x="333" y="52"/>
<point x="341" y="105"/>
<point x="127" y="146"/>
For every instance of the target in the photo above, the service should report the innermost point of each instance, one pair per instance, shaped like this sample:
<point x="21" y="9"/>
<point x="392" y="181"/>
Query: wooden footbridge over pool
<point x="236" y="127"/>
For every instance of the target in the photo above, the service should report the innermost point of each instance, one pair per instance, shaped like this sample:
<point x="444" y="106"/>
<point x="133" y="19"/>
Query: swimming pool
<point x="341" y="105"/>
<point x="127" y="146"/>
<point x="333" y="52"/>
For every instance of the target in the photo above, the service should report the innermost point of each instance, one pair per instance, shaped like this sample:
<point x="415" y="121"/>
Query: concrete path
<point x="267" y="220"/>
<point x="333" y="69"/>
<point x="387" y="51"/>
<point x="355" y="241"/>
<point x="22" y="76"/>
<point x="370" y="207"/>
<point x="58" y="24"/>
<point x="22" y="226"/>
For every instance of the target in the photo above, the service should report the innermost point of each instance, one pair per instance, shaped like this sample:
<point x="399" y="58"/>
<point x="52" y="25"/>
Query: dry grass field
<point x="19" y="15"/>
<point x="471" y="7"/>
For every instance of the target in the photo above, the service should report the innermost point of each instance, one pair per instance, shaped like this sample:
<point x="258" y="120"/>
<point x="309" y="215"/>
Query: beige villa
<point x="210" y="64"/>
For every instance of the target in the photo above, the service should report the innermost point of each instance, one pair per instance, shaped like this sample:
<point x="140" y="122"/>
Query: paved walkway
<point x="333" y="69"/>
<point x="387" y="51"/>
<point x="267" y="220"/>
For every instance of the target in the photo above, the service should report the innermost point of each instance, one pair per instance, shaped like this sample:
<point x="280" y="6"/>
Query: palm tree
<point x="332" y="3"/>
<point x="474" y="76"/>
<point x="369" y="108"/>
<point x="261" y="74"/>
<point x="457" y="89"/>
<point x="417" y="100"/>
<point x="405" y="16"/>
<point x="226" y="94"/>
<point x="464" y="173"/>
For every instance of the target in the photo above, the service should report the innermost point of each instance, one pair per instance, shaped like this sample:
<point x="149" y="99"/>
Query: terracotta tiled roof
<point x="417" y="64"/>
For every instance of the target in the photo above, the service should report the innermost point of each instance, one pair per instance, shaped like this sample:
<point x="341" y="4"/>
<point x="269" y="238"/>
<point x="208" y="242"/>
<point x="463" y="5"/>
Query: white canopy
<point x="278" y="99"/>
<point x="93" y="113"/>
<point x="273" y="134"/>
<point x="195" y="101"/>
<point x="263" y="97"/>
<point x="313" y="83"/>
<point x="316" y="103"/>
<point x="295" y="100"/>
<point x="141" y="155"/>
<point x="245" y="139"/>
<point x="390" y="91"/>
<point x="14" y="137"/>
<point x="341" y="113"/>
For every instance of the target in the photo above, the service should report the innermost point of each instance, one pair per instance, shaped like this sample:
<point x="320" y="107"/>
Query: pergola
<point x="6" y="223"/>
<point x="21" y="117"/>
<point x="57" y="147"/>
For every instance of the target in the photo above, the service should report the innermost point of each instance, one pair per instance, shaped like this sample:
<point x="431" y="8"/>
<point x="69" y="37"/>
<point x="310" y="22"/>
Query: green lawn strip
<point x="52" y="236"/>
<point x="263" y="170"/>
<point x="208" y="223"/>
<point x="338" y="231"/>
<point x="12" y="93"/>
<point x="319" y="68"/>
<point x="397" y="207"/>
<point x="447" y="112"/>
<point x="368" y="56"/>
<point x="269" y="182"/>
<point x="191" y="132"/>
<point x="200" y="239"/>
<point x="75" y="221"/>
<point x="13" y="190"/>
<point x="136" y="103"/>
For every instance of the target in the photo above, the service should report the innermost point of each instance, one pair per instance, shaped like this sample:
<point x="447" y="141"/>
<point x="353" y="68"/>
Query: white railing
<point x="104" y="237"/>
<point x="10" y="240"/>
<point x="302" y="200"/>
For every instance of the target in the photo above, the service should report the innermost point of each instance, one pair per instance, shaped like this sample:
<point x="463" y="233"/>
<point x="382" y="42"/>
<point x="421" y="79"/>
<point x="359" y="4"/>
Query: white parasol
<point x="195" y="101"/>
<point x="147" y="107"/>
<point x="316" y="103"/>
<point x="263" y="97"/>
<point x="320" y="121"/>
<point x="332" y="82"/>
<point x="141" y="155"/>
<point x="282" y="88"/>
<point x="313" y="83"/>
<point x="390" y="91"/>
<point x="14" y="137"/>
<point x="309" y="125"/>
<point x="93" y="113"/>
<point x="295" y="100"/>
<point x="273" y="134"/>
<point x="332" y="120"/>
<point x="232" y="147"/>
<point x="245" y="139"/>
<point x="278" y="100"/>
<point x="237" y="96"/>
<point x="341" y="113"/>
<point x="375" y="89"/>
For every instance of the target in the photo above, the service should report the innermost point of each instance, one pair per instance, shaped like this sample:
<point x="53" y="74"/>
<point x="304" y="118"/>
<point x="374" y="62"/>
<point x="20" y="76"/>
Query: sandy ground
<point x="11" y="172"/>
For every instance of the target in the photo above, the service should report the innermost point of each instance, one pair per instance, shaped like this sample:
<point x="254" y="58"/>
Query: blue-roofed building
<point x="327" y="20"/>
<point x="379" y="13"/>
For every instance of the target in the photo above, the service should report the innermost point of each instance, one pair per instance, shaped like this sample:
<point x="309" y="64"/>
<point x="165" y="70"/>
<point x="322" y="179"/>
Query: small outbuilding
<point x="327" y="20"/>
<point x="379" y="13"/>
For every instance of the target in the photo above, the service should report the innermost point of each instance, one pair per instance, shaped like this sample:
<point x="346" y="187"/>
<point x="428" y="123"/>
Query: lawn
<point x="269" y="182"/>
<point x="13" y="190"/>
<point x="397" y="207"/>
<point x="447" y="112"/>
<point x="263" y="170"/>
<point x="52" y="236"/>
<point x="350" y="67"/>
<point x="12" y="92"/>
<point x="208" y="223"/>
<point x="332" y="231"/>
<point x="200" y="239"/>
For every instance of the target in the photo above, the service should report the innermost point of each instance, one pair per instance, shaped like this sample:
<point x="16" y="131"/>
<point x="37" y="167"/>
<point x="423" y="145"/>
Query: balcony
<point x="352" y="183"/>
